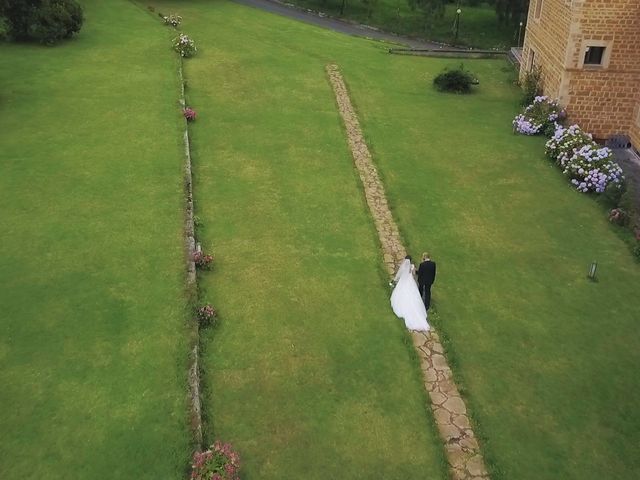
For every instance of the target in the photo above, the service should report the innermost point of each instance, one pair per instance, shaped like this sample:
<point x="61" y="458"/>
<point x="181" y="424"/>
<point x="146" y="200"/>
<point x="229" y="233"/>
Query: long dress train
<point x="406" y="301"/>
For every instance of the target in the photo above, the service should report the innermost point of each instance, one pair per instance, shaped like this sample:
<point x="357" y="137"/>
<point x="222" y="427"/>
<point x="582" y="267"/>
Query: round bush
<point x="456" y="81"/>
<point x="184" y="45"/>
<point x="220" y="462"/>
<point x="206" y="315"/>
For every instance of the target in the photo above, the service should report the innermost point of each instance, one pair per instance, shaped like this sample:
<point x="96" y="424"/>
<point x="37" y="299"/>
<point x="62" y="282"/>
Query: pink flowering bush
<point x="543" y="116"/>
<point x="206" y="315"/>
<point x="202" y="260"/>
<point x="618" y="216"/>
<point x="220" y="462"/>
<point x="184" y="45"/>
<point x="190" y="114"/>
<point x="565" y="142"/>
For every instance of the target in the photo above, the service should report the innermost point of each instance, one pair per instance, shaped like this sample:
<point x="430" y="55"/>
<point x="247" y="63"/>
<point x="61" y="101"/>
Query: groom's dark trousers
<point x="426" y="277"/>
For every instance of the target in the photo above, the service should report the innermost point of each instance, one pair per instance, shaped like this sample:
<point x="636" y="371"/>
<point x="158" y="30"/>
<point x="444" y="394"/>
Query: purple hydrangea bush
<point x="543" y="116"/>
<point x="220" y="462"/>
<point x="526" y="126"/>
<point x="565" y="141"/>
<point x="592" y="169"/>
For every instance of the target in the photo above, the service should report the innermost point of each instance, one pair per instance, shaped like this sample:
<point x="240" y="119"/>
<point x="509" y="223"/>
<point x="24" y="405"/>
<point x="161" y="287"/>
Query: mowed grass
<point x="92" y="336"/>
<point x="308" y="373"/>
<point x="479" y="27"/>
<point x="548" y="358"/>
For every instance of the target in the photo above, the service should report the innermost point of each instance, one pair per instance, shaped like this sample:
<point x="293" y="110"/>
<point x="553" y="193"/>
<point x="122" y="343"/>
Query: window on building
<point x="538" y="10"/>
<point x="532" y="60"/>
<point x="594" y="55"/>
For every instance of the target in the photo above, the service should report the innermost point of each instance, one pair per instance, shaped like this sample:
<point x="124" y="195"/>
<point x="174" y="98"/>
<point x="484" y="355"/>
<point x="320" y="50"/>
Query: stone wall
<point x="601" y="103"/>
<point x="635" y="129"/>
<point x="602" y="99"/>
<point x="546" y="42"/>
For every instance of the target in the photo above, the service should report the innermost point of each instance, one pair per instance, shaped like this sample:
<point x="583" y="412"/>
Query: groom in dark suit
<point x="426" y="277"/>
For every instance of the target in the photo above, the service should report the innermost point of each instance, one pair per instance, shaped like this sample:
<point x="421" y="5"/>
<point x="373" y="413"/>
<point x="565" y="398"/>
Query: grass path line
<point x="191" y="286"/>
<point x="449" y="410"/>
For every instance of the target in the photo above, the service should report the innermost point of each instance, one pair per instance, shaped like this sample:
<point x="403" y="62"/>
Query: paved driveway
<point x="337" y="25"/>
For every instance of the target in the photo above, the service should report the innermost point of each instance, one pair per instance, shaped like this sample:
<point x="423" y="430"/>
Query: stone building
<point x="589" y="55"/>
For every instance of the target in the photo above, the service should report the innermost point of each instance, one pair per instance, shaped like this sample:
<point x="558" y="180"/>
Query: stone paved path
<point x="449" y="410"/>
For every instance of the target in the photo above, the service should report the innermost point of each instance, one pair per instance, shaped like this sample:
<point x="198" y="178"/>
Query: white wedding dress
<point x="406" y="301"/>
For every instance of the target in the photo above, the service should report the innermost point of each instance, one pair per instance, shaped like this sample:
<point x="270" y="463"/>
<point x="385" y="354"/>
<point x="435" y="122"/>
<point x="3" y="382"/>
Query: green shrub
<point x="613" y="195"/>
<point x="44" y="21"/>
<point x="457" y="80"/>
<point x="4" y="28"/>
<point x="531" y="85"/>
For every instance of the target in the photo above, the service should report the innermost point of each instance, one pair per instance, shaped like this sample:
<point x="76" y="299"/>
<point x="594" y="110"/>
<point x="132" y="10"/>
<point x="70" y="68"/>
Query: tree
<point x="370" y="4"/>
<point x="44" y="21"/>
<point x="431" y="9"/>
<point x="512" y="12"/>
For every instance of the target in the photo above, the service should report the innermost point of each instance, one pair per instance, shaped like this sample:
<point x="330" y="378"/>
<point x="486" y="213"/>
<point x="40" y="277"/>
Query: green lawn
<point x="548" y="358"/>
<point x="92" y="335"/>
<point x="308" y="374"/>
<point x="479" y="25"/>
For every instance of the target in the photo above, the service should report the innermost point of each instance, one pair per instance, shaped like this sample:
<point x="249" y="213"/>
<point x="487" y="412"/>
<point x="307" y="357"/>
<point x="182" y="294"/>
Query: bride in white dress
<point x="406" y="301"/>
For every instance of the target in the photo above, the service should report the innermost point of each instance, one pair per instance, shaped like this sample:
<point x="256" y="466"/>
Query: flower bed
<point x="220" y="462"/>
<point x="543" y="116"/>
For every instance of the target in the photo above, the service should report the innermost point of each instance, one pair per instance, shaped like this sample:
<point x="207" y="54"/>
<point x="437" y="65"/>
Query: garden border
<point x="192" y="278"/>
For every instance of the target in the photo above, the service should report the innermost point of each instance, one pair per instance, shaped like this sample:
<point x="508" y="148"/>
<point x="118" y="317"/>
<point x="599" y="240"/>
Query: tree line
<point x="509" y="12"/>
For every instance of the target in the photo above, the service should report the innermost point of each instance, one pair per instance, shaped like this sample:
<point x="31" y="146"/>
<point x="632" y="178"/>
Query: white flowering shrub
<point x="564" y="143"/>
<point x="173" y="20"/>
<point x="184" y="45"/>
